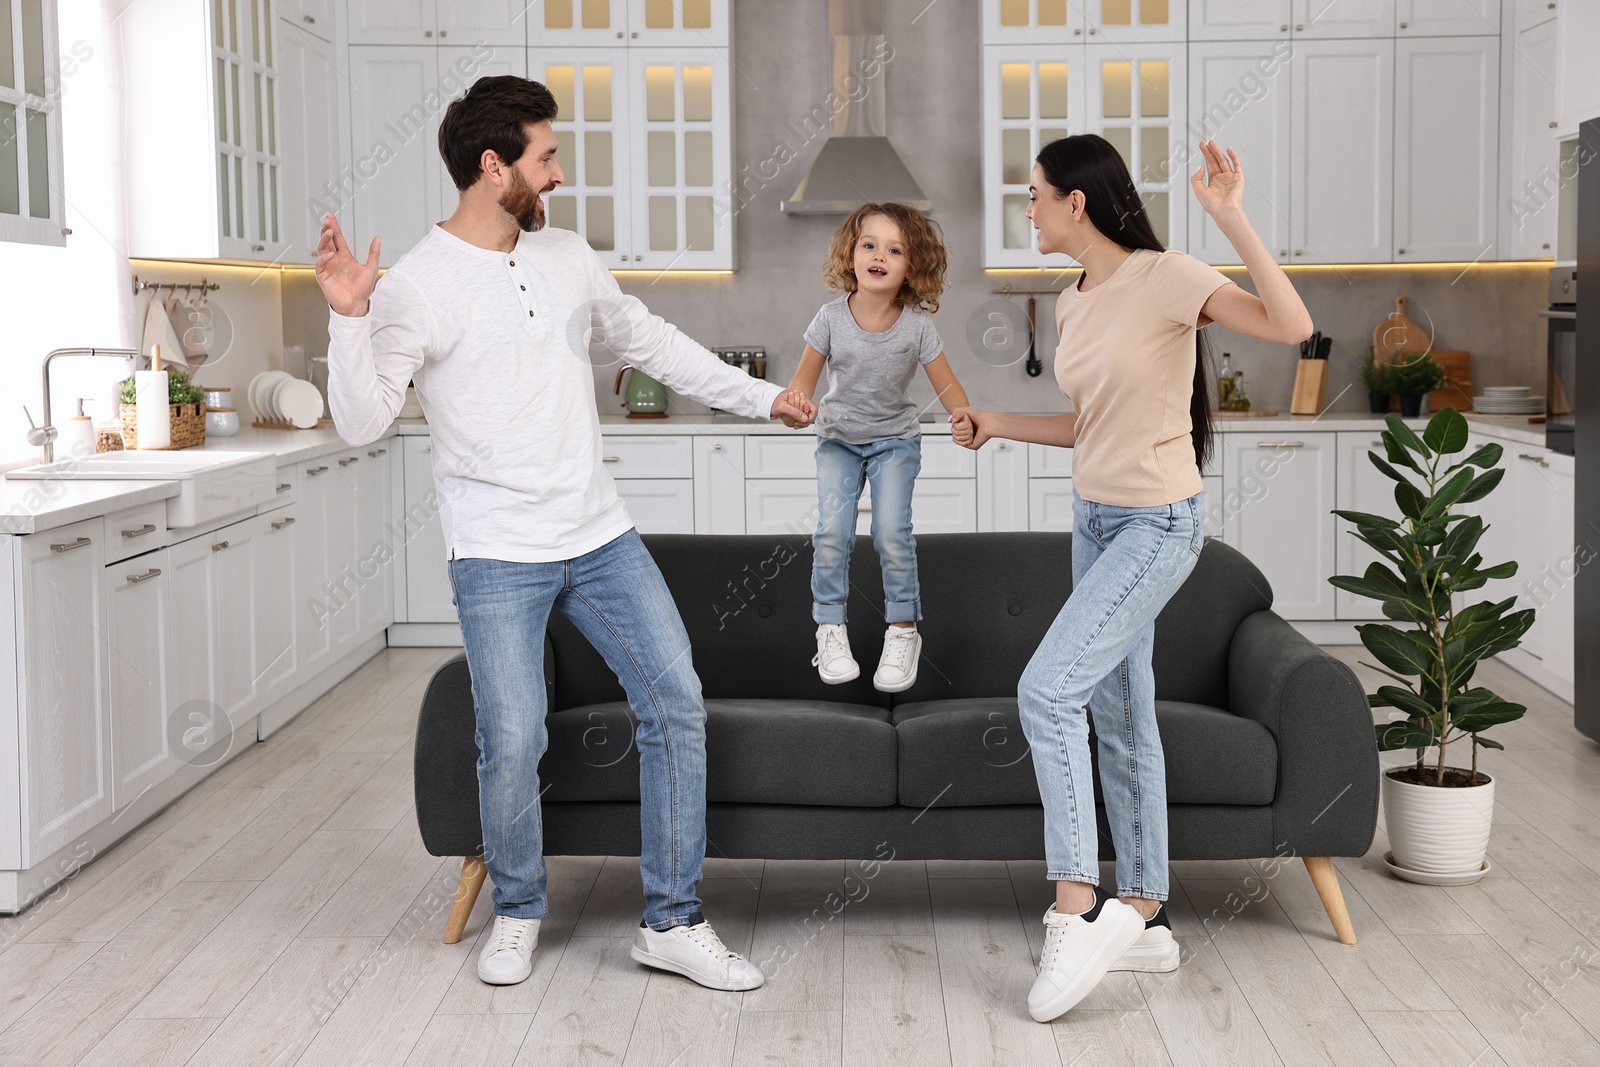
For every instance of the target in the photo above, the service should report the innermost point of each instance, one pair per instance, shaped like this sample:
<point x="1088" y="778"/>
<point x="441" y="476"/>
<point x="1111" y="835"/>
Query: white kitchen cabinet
<point x="1280" y="492"/>
<point x="943" y="505"/>
<point x="64" y="726"/>
<point x="1315" y="19"/>
<point x="1029" y="97"/>
<point x="429" y="597"/>
<point x="1360" y="487"/>
<point x="202" y="151"/>
<point x="315" y="17"/>
<point x="502" y="23"/>
<point x="591" y="128"/>
<point x="582" y="23"/>
<point x="1049" y="461"/>
<point x="1215" y="504"/>
<point x="1578" y="91"/>
<point x="308" y="72"/>
<point x="1135" y="96"/>
<point x="780" y="506"/>
<point x="718" y="485"/>
<point x="1341" y="135"/>
<point x="1560" y="652"/>
<point x="679" y="23"/>
<point x="193" y="637"/>
<point x="1534" y="506"/>
<point x="1439" y="18"/>
<point x="1002" y="486"/>
<point x="1446" y="136"/>
<point x="1530" y="178"/>
<point x="342" y="553"/>
<point x="407" y="22"/>
<point x="1033" y="22"/>
<point x="1239" y="93"/>
<point x="1123" y="21"/>
<point x="374" y="505"/>
<point x="277" y="672"/>
<point x="1239" y="20"/>
<point x="1530" y="13"/>
<point x="659" y="505"/>
<point x="313" y="629"/>
<point x="647" y="456"/>
<point x="140" y="663"/>
<point x="1050" y="504"/>
<point x="234" y="622"/>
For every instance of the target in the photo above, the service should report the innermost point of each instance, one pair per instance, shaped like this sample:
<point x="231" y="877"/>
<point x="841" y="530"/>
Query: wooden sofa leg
<point x="1326" y="879"/>
<point x="472" y="874"/>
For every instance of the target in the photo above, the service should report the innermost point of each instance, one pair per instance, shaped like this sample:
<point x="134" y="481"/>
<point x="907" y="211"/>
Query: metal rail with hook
<point x="203" y="286"/>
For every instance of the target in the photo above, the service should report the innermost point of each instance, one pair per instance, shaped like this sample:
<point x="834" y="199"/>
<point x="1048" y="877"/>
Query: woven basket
<point x="188" y="425"/>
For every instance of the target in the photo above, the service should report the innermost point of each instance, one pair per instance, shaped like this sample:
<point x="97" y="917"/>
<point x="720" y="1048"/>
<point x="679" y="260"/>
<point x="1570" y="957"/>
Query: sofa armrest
<point x="1327" y="792"/>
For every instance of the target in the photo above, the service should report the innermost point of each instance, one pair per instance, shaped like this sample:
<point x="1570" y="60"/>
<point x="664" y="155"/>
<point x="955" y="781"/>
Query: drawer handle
<point x="349" y="460"/>
<point x="1377" y="443"/>
<point x="148" y="527"/>
<point x="281" y="523"/>
<point x="284" y="487"/>
<point x="1280" y="444"/>
<point x="219" y="546"/>
<point x="68" y="546"/>
<point x="719" y="448"/>
<point x="428" y="448"/>
<point x="153" y="572"/>
<point x="1540" y="460"/>
<point x="610" y="459"/>
<point x="316" y="470"/>
<point x="378" y="452"/>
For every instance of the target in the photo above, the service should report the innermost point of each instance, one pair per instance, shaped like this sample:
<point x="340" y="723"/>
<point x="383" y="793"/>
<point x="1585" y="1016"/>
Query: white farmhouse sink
<point x="212" y="485"/>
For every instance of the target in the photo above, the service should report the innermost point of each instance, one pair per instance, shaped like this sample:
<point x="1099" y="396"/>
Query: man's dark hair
<point x="491" y="117"/>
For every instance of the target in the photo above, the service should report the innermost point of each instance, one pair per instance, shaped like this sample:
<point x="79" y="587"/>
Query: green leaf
<point x="1362" y="518"/>
<point x="1410" y="501"/>
<point x="1406" y="436"/>
<point x="1430" y="534"/>
<point x="1394" y="696"/>
<point x="1500" y="570"/>
<point x="1449" y="492"/>
<point x="1482" y="485"/>
<point x="1486" y="743"/>
<point x="1401" y="734"/>
<point x="1390" y="471"/>
<point x="1491" y="715"/>
<point x="1485" y="457"/>
<point x="1396" y="649"/>
<point x="1446" y="432"/>
<point x="1464" y="537"/>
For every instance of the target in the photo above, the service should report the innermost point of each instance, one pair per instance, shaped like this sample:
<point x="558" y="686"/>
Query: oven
<point x="1561" y="353"/>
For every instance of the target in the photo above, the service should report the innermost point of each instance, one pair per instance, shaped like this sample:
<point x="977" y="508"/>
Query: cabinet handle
<point x="1298" y="28"/>
<point x="427" y="33"/>
<point x="314" y="471"/>
<point x="153" y="572"/>
<point x="444" y="33"/>
<point x="719" y="448"/>
<point x="219" y="546"/>
<point x="378" y="452"/>
<point x="281" y="523"/>
<point x="1540" y="460"/>
<point x="1092" y="31"/>
<point x="619" y="35"/>
<point x="1400" y="251"/>
<point x="1402" y="25"/>
<point x="284" y="487"/>
<point x="68" y="546"/>
<point x="1552" y="125"/>
<point x="1003" y="447"/>
<point x="309" y="19"/>
<point x="258" y="248"/>
<point x="610" y="459"/>
<point x="148" y="527"/>
<point x="349" y="460"/>
<point x="1280" y="444"/>
<point x="1284" y="28"/>
<point x="1282" y="252"/>
<point x="1299" y="251"/>
<point x="1378" y="442"/>
<point x="1077" y="33"/>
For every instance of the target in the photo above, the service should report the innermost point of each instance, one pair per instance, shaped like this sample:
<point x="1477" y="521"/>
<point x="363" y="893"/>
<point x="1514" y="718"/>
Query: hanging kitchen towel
<point x="188" y="331"/>
<point x="158" y="331"/>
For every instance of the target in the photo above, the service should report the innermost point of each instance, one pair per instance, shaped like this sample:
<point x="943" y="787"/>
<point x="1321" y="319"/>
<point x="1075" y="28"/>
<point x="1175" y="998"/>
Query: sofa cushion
<point x="972" y="752"/>
<point x="757" y="752"/>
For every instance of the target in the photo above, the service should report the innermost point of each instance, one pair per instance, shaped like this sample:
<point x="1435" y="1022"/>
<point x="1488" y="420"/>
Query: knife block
<point x="1310" y="387"/>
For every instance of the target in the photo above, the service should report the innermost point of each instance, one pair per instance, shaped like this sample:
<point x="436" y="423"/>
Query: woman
<point x="1141" y="432"/>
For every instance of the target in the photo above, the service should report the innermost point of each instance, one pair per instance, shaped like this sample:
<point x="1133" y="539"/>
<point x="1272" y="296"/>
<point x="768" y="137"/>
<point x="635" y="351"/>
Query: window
<point x="30" y="124"/>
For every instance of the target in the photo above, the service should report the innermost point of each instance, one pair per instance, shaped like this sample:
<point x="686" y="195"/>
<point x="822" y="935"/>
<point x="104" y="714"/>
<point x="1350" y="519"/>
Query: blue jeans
<point x="1126" y="564"/>
<point x="842" y="470"/>
<point x="617" y="598"/>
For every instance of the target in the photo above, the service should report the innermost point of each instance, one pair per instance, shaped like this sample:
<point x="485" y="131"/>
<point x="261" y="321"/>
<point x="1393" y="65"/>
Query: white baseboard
<point x="1532" y="668"/>
<point x="425" y="635"/>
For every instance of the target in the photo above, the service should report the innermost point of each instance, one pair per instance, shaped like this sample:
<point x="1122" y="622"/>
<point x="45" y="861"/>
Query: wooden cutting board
<point x="1397" y="333"/>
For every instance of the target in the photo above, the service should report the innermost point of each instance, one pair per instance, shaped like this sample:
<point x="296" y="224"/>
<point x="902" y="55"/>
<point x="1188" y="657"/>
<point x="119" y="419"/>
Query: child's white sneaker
<point x="833" y="660"/>
<point x="897" y="667"/>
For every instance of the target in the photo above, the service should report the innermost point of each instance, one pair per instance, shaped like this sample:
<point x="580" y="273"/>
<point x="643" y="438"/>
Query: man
<point x="491" y="317"/>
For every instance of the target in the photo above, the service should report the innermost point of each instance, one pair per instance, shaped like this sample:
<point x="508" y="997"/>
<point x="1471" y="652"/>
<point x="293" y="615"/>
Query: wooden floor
<point x="286" y="913"/>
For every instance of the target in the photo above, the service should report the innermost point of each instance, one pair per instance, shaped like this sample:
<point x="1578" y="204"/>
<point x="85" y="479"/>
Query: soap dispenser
<point x="77" y="436"/>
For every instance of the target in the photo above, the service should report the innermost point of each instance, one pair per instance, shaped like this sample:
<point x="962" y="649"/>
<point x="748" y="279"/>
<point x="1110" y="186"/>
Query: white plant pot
<point x="1438" y="831"/>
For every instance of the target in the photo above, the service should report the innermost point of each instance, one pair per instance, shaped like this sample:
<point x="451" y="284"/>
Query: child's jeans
<point x="842" y="470"/>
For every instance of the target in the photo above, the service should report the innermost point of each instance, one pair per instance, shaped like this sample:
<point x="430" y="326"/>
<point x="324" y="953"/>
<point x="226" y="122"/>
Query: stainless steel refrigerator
<point x="1586" y="433"/>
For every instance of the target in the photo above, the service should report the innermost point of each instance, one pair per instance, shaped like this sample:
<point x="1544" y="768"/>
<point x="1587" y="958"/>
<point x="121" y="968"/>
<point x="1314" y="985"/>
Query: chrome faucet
<point x="45" y="436"/>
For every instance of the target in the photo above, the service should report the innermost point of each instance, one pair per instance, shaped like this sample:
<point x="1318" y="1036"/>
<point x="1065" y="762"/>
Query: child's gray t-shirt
<point x="869" y="373"/>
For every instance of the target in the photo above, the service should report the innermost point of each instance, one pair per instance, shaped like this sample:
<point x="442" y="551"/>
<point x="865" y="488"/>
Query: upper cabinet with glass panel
<point x="1078" y="21"/>
<point x="446" y="22"/>
<point x="687" y="23"/>
<point x="30" y="126"/>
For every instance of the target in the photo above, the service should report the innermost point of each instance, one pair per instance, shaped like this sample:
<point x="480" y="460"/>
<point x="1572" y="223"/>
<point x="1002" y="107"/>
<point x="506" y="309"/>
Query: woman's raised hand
<point x="346" y="282"/>
<point x="1219" y="180"/>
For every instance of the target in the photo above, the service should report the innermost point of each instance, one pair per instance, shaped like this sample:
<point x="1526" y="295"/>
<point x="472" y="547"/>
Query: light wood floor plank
<point x="799" y="937"/>
<point x="383" y="800"/>
<point x="1565" y="885"/>
<point x="1415" y="909"/>
<point x="887" y="898"/>
<point x="1201" y="1013"/>
<point x="30" y="973"/>
<point x="589" y="1012"/>
<point x="986" y="970"/>
<point x="377" y="893"/>
<point x="150" y="1043"/>
<point x="787" y="1038"/>
<point x="1431" y="1039"/>
<point x="616" y="905"/>
<point x="471" y="1041"/>
<point x="14" y="928"/>
<point x="893" y="1001"/>
<point x="1087" y="1038"/>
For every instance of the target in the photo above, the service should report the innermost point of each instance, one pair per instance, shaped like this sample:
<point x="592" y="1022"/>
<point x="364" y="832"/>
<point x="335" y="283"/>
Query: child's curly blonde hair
<point x="926" y="257"/>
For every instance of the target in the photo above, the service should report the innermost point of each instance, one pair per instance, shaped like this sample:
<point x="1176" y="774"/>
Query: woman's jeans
<point x="1126" y="564"/>
<point x="616" y="596"/>
<point x="842" y="470"/>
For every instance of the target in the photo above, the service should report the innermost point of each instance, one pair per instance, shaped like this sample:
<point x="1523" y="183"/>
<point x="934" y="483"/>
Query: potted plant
<point x="1375" y="376"/>
<point x="1414" y="375"/>
<point x="186" y="402"/>
<point x="1437" y="816"/>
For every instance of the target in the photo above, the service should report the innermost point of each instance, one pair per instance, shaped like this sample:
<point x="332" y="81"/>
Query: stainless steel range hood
<point x="857" y="163"/>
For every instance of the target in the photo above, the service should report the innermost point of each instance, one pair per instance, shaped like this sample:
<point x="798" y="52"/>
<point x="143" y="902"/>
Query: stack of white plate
<point x="1507" y="400"/>
<point x="277" y="395"/>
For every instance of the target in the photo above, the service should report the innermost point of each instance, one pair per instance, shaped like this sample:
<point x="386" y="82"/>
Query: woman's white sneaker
<point x="833" y="660"/>
<point x="1078" y="950"/>
<point x="897" y="667"/>
<point x="697" y="953"/>
<point x="507" y="958"/>
<point x="1156" y="951"/>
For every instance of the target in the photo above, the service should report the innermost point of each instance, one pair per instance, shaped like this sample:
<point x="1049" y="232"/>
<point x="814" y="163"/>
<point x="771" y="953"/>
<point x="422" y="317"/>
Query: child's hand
<point x="795" y="409"/>
<point x="965" y="429"/>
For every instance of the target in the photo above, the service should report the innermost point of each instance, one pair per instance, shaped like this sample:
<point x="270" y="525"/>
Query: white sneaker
<point x="1156" y="952"/>
<point x="1077" y="954"/>
<point x="507" y="957"/>
<point x="697" y="953"/>
<point x="833" y="660"/>
<point x="897" y="667"/>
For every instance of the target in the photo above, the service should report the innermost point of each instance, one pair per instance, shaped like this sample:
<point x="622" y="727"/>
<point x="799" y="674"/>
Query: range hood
<point x="857" y="163"/>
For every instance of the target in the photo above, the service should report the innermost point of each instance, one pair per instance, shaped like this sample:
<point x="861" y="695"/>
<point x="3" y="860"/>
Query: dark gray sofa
<point x="1268" y="741"/>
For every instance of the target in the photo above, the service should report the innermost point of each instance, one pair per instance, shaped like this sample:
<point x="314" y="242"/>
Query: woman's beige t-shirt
<point x="1126" y="361"/>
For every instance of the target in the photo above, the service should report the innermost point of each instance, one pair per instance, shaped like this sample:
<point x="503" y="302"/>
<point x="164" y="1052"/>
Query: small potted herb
<point x="1414" y="375"/>
<point x="1376" y="377"/>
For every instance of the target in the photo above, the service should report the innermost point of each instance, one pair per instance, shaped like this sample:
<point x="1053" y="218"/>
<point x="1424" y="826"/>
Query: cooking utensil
<point x="1323" y="346"/>
<point x="1397" y="333"/>
<point x="1032" y="366"/>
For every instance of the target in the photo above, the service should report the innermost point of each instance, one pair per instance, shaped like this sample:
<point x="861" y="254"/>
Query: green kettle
<point x="647" y="398"/>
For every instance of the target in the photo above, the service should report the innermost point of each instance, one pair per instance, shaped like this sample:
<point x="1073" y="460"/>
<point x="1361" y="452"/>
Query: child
<point x="888" y="261"/>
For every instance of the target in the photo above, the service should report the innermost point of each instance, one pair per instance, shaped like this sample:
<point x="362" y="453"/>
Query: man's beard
<point x="523" y="204"/>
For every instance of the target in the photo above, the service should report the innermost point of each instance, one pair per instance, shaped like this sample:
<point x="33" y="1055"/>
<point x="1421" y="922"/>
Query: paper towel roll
<point x="151" y="407"/>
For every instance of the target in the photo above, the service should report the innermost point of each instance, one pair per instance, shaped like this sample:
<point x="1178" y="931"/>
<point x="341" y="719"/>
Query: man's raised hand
<point x="346" y="282"/>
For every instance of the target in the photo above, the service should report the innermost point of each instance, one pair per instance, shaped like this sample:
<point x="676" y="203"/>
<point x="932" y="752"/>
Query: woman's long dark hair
<point x="1089" y="163"/>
